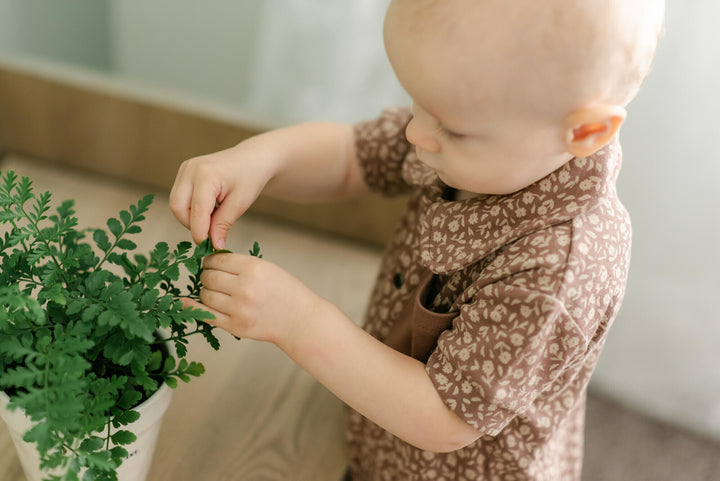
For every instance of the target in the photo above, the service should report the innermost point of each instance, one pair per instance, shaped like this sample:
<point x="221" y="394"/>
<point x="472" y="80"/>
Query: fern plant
<point x="80" y="319"/>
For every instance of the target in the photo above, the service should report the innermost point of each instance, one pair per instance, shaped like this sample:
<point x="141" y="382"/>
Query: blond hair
<point x="610" y="45"/>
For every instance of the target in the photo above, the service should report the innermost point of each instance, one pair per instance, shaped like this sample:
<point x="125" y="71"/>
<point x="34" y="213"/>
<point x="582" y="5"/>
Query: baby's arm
<point x="312" y="162"/>
<point x="253" y="298"/>
<point x="390" y="388"/>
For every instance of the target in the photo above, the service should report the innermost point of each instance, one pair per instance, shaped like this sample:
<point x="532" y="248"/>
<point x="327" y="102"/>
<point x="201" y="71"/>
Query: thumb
<point x="223" y="219"/>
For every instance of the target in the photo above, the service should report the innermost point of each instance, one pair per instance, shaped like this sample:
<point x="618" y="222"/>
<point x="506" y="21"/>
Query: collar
<point x="456" y="234"/>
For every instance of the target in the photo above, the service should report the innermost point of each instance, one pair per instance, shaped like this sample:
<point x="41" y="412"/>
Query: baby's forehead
<point x="570" y="39"/>
<point x="531" y="18"/>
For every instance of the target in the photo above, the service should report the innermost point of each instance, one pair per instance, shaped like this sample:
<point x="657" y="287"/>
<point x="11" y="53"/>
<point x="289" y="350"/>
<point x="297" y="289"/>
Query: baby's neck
<point x="464" y="195"/>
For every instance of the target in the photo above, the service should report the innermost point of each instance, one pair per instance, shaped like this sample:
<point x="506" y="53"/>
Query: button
<point x="398" y="280"/>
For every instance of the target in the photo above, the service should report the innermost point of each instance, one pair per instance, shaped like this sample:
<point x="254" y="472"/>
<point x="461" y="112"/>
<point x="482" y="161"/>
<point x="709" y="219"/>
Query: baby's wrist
<point x="275" y="150"/>
<point x="300" y="336"/>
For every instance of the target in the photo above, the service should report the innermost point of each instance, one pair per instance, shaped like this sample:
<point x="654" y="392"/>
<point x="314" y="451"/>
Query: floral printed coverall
<point x="507" y="299"/>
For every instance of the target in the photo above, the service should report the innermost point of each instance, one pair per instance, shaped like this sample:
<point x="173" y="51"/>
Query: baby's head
<point x="505" y="92"/>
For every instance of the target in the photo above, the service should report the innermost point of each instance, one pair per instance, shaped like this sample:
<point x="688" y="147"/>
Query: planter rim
<point x="153" y="399"/>
<point x="144" y="406"/>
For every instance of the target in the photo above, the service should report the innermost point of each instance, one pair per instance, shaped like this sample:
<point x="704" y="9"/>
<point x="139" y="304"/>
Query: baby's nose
<point x="420" y="136"/>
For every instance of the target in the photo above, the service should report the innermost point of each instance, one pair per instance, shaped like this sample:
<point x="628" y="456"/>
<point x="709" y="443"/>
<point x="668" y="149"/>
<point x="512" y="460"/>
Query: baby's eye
<point x="449" y="134"/>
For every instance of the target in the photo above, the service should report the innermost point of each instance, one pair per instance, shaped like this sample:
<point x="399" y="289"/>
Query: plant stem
<point x="175" y="338"/>
<point x="38" y="234"/>
<point x="107" y="440"/>
<point x="22" y="241"/>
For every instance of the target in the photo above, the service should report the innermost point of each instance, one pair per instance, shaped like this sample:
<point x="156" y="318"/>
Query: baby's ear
<point x="589" y="129"/>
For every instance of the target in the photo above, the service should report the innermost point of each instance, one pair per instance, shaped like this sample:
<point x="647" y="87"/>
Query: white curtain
<point x="277" y="61"/>
<point x="320" y="59"/>
<point x="663" y="354"/>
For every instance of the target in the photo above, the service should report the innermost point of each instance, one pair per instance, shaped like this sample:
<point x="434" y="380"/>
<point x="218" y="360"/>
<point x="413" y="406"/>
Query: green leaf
<point x="126" y="358"/>
<point x="22" y="376"/>
<point x="181" y="347"/>
<point x="192" y="265"/>
<point x="141" y="260"/>
<point x="93" y="443"/>
<point x="52" y="460"/>
<point x="8" y="216"/>
<point x="149" y="299"/>
<point x="169" y="364"/>
<point x="95" y="282"/>
<point x="255" y="251"/>
<point x="210" y="338"/>
<point x="152" y="279"/>
<point x="118" y="453"/>
<point x="101" y="239"/>
<point x="101" y="460"/>
<point x="203" y="249"/>
<point x="71" y="475"/>
<point x="56" y="294"/>
<point x="155" y="361"/>
<point x="173" y="272"/>
<point x="160" y="253"/>
<point x="42" y="435"/>
<point x="125" y="418"/>
<point x="144" y="204"/>
<point x="115" y="226"/>
<point x="195" y="369"/>
<point x="142" y="378"/>
<point x="109" y="318"/>
<point x="126" y="244"/>
<point x="129" y="399"/>
<point x="43" y="343"/>
<point x="183" y="248"/>
<point x="125" y="217"/>
<point x="90" y="475"/>
<point x="91" y="312"/>
<point x="165" y="303"/>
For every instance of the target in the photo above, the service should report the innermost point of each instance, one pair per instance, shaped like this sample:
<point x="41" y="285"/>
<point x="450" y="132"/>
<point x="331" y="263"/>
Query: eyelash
<point x="448" y="134"/>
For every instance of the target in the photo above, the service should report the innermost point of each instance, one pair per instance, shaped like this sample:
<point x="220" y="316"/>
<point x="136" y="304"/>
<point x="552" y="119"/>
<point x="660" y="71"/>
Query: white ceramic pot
<point x="134" y="468"/>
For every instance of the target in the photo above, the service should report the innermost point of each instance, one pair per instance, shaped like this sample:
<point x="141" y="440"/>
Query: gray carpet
<point x="621" y="445"/>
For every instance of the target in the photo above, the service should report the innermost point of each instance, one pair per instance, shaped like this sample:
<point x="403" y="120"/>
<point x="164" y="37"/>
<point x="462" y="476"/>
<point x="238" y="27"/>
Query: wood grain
<point x="10" y="469"/>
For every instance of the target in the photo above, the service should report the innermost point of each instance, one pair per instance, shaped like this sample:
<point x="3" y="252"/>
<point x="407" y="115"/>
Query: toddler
<point x="509" y="265"/>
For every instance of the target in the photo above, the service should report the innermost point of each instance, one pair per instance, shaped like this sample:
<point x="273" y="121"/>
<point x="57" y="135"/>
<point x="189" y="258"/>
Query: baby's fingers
<point x="180" y="197"/>
<point x="230" y="210"/>
<point x="192" y="303"/>
<point x="202" y="205"/>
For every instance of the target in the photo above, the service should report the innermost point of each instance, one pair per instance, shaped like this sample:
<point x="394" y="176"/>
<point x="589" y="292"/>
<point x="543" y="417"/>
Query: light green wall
<point x="199" y="47"/>
<point x="74" y="31"/>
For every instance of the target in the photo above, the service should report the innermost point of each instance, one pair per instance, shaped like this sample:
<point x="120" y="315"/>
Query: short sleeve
<point x="506" y="347"/>
<point x="381" y="148"/>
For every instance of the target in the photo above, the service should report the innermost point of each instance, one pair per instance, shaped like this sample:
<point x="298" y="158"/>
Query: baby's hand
<point x="253" y="298"/>
<point x="212" y="191"/>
